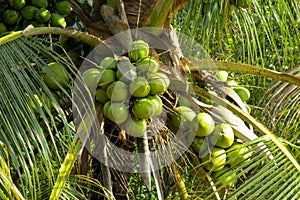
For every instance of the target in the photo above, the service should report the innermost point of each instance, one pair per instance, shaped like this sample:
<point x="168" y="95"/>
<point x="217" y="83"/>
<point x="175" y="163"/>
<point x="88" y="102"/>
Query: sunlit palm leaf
<point x="265" y="33"/>
<point x="281" y="106"/>
<point x="65" y="169"/>
<point x="8" y="188"/>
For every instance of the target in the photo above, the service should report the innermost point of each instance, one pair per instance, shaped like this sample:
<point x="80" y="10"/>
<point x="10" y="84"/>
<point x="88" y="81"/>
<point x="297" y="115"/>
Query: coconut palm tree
<point x="45" y="152"/>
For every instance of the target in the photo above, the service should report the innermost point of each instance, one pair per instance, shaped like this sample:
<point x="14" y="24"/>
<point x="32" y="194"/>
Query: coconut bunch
<point x="18" y="14"/>
<point x="220" y="152"/>
<point x="133" y="91"/>
<point x="215" y="143"/>
<point x="129" y="88"/>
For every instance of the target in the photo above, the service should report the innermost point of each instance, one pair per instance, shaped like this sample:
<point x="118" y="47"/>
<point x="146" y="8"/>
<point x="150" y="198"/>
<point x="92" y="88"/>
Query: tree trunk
<point x="103" y="21"/>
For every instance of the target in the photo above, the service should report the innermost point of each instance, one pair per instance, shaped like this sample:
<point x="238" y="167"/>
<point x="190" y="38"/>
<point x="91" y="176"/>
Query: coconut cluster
<point x="129" y="88"/>
<point x="18" y="14"/>
<point x="215" y="143"/>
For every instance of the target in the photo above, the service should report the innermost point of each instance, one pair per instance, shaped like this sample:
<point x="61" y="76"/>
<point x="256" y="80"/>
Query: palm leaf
<point x="250" y="35"/>
<point x="8" y="188"/>
<point x="286" y="98"/>
<point x="33" y="140"/>
<point x="33" y="53"/>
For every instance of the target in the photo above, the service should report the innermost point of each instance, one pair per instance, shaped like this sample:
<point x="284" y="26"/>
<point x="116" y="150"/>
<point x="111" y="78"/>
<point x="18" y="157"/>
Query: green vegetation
<point x="149" y="114"/>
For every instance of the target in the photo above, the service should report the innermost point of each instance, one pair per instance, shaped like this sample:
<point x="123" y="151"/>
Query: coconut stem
<point x="179" y="182"/>
<point x="144" y="158"/>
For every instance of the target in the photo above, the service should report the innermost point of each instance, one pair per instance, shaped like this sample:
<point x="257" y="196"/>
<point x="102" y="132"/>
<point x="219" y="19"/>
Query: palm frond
<point x="266" y="33"/>
<point x="280" y="106"/>
<point x="32" y="31"/>
<point x="34" y="137"/>
<point x="270" y="175"/>
<point x="8" y="188"/>
<point x="65" y="169"/>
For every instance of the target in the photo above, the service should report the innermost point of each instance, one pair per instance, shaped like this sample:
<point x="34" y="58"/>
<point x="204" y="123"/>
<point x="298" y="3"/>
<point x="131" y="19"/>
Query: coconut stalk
<point x="144" y="160"/>
<point x="102" y="149"/>
<point x="179" y="182"/>
<point x="106" y="175"/>
<point x="66" y="168"/>
<point x="199" y="65"/>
